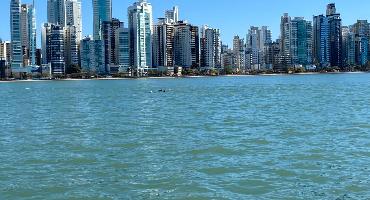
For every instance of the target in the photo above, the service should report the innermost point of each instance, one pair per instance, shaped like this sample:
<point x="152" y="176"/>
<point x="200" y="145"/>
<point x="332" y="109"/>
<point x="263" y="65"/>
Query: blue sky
<point x="233" y="17"/>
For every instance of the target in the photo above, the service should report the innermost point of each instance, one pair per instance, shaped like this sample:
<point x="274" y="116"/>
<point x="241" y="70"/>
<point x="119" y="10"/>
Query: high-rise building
<point x="71" y="47"/>
<point x="327" y="39"/>
<point x="227" y="57"/>
<point x="321" y="41"/>
<point x="102" y="13"/>
<point x="107" y="37"/>
<point x="210" y="48"/>
<point x="345" y="36"/>
<point x="15" y="34"/>
<point x="285" y="40"/>
<point x="98" y="56"/>
<point x="330" y="9"/>
<point x="25" y="39"/>
<point x="361" y="50"/>
<point x="163" y="43"/>
<point x="5" y="51"/>
<point x="265" y="41"/>
<point x="361" y="30"/>
<point x="74" y="16"/>
<point x="123" y="47"/>
<point x="254" y="56"/>
<point x="348" y="47"/>
<point x="140" y="27"/>
<point x="116" y="26"/>
<point x="57" y="49"/>
<point x="335" y="36"/>
<point x="92" y="56"/>
<point x="301" y="41"/>
<point x="63" y="15"/>
<point x="28" y="34"/>
<point x="186" y="45"/>
<point x="56" y="12"/>
<point x="32" y="34"/>
<point x="85" y="52"/>
<point x="239" y="53"/>
<point x="172" y="16"/>
<point x="265" y="37"/>
<point x="257" y="41"/>
<point x="296" y="42"/>
<point x="272" y="56"/>
<point x="110" y="38"/>
<point x="45" y="43"/>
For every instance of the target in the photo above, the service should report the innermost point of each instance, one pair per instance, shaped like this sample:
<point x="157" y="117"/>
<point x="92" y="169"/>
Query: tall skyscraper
<point x="301" y="41"/>
<point x="140" y="34"/>
<point x="74" y="16"/>
<point x="71" y="47"/>
<point x="28" y="33"/>
<point x="186" y="45"/>
<point x="296" y="41"/>
<point x="272" y="56"/>
<point x="172" y="16"/>
<point x="15" y="34"/>
<point x="361" y="30"/>
<point x="254" y="54"/>
<point x="348" y="47"/>
<point x="25" y="39"/>
<point x="45" y="43"/>
<point x="265" y="41"/>
<point x="32" y="33"/>
<point x="330" y="9"/>
<point x="117" y="26"/>
<point x="256" y="41"/>
<point x="57" y="50"/>
<point x="321" y="41"/>
<point x="285" y="40"/>
<point x="92" y="56"/>
<point x="102" y="12"/>
<point x="239" y="53"/>
<point x="110" y="37"/>
<point x="265" y="35"/>
<point x="210" y="48"/>
<point x="86" y="59"/>
<point x="163" y="42"/>
<point x="56" y="12"/>
<point x="335" y="36"/>
<point x="123" y="47"/>
<point x="327" y="39"/>
<point x="227" y="57"/>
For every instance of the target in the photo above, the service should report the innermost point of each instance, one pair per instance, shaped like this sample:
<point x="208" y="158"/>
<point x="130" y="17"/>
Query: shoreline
<point x="179" y="77"/>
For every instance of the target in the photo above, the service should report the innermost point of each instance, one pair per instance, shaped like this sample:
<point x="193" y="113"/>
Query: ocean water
<point x="252" y="137"/>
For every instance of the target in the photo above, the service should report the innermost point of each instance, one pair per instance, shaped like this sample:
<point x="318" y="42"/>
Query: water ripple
<point x="283" y="137"/>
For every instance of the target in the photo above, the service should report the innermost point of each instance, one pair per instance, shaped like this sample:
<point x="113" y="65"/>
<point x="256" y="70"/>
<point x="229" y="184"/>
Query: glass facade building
<point x="102" y="12"/>
<point x="57" y="49"/>
<point x="15" y="34"/>
<point x="140" y="27"/>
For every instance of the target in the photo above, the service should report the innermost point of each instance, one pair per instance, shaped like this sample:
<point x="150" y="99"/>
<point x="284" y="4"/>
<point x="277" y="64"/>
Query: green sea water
<point x="252" y="137"/>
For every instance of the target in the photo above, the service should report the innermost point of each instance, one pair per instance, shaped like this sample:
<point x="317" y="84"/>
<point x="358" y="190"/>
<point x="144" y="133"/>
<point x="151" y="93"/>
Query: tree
<point x="73" y="69"/>
<point x="228" y="70"/>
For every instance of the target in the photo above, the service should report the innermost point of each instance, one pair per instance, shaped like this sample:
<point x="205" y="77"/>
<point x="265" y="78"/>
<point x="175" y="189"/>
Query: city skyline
<point x="228" y="27"/>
